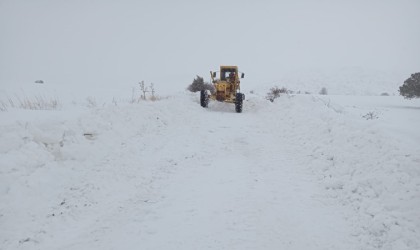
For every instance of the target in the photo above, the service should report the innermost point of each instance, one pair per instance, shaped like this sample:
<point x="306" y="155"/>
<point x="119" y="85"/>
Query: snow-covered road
<point x="237" y="187"/>
<point x="300" y="173"/>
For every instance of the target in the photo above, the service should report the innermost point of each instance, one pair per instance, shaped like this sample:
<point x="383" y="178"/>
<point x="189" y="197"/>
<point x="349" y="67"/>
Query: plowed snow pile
<point x="304" y="172"/>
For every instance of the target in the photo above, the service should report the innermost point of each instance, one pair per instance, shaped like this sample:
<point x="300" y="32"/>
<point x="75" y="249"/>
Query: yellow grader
<point x="226" y="88"/>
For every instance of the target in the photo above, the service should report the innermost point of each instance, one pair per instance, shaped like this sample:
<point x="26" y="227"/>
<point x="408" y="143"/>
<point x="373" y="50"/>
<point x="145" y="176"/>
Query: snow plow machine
<point x="226" y="88"/>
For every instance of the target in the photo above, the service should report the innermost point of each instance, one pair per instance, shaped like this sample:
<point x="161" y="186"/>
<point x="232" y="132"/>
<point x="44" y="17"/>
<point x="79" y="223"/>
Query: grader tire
<point x="238" y="102"/>
<point x="204" y="99"/>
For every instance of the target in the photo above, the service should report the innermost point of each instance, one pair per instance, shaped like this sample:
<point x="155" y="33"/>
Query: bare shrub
<point x="370" y="116"/>
<point x="384" y="94"/>
<point x="143" y="89"/>
<point x="198" y="84"/>
<point x="275" y="93"/>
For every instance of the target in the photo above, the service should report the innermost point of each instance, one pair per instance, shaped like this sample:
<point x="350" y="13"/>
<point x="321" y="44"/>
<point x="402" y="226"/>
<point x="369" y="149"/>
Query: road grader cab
<point x="227" y="88"/>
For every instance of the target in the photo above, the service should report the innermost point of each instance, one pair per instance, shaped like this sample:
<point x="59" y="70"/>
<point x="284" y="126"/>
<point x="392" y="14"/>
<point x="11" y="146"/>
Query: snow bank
<point x="362" y="164"/>
<point x="58" y="168"/>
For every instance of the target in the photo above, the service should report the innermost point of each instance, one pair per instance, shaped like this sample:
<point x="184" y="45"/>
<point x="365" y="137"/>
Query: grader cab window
<point x="225" y="73"/>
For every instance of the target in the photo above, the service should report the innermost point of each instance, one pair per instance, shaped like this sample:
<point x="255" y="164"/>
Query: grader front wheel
<point x="204" y="99"/>
<point x="238" y="102"/>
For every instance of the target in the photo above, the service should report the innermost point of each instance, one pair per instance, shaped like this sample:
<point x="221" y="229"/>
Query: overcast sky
<point x="169" y="42"/>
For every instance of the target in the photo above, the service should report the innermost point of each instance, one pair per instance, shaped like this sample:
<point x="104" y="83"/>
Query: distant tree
<point x="198" y="84"/>
<point x="323" y="91"/>
<point x="411" y="87"/>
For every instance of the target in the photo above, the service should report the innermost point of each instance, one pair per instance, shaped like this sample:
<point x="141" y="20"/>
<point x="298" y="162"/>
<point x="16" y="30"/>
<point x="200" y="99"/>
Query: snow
<point x="341" y="81"/>
<point x="304" y="172"/>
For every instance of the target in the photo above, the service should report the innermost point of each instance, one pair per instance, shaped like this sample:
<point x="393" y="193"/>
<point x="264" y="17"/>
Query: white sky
<point x="169" y="42"/>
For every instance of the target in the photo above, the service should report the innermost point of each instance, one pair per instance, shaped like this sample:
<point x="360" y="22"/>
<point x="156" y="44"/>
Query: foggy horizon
<point x="112" y="42"/>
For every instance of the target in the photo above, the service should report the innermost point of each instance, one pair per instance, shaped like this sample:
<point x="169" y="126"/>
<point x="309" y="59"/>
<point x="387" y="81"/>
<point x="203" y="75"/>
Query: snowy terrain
<point x="343" y="81"/>
<point x="304" y="172"/>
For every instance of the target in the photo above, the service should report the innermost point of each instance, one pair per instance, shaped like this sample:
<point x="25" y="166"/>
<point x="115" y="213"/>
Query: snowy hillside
<point x="304" y="172"/>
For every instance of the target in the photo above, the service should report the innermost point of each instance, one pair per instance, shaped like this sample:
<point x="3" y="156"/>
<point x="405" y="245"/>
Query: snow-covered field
<point x="304" y="172"/>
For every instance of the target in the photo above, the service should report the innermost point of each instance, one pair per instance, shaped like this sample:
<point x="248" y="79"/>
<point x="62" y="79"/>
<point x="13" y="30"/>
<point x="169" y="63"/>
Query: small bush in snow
<point x="275" y="92"/>
<point x="370" y="116"/>
<point x="411" y="87"/>
<point x="198" y="84"/>
<point x="384" y="94"/>
<point x="323" y="91"/>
